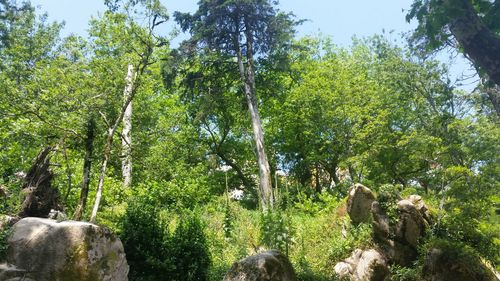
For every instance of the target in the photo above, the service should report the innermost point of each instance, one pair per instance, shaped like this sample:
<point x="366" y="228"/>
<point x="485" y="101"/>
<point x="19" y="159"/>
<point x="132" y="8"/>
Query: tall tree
<point x="243" y="30"/>
<point x="141" y="43"/>
<point x="127" y="129"/>
<point x="473" y="24"/>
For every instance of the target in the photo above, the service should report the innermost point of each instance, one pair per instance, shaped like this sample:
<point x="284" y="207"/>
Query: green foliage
<point x="154" y="253"/>
<point x="189" y="251"/>
<point x="388" y="197"/>
<point x="228" y="221"/>
<point x="5" y="232"/>
<point x="145" y="238"/>
<point x="276" y="231"/>
<point x="399" y="273"/>
<point x="359" y="236"/>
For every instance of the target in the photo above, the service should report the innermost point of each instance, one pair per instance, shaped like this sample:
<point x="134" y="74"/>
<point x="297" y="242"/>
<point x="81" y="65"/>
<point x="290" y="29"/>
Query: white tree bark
<point x="127" y="129"/>
<point x="107" y="151"/>
<point x="247" y="77"/>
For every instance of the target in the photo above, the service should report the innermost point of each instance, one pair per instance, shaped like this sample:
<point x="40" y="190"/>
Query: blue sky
<point x="336" y="18"/>
<point x="339" y="19"/>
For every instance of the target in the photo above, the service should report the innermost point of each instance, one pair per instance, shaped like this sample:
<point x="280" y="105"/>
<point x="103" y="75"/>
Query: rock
<point x="380" y="223"/>
<point x="10" y="272"/>
<point x="343" y="270"/>
<point x="367" y="265"/>
<point x="417" y="201"/>
<point x="446" y="265"/>
<point x="68" y="250"/>
<point x="398" y="253"/>
<point x="57" y="215"/>
<point x="359" y="203"/>
<point x="266" y="266"/>
<point x="399" y="241"/>
<point x="411" y="225"/>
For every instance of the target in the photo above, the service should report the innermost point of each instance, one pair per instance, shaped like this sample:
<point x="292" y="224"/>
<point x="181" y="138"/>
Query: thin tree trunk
<point x="107" y="151"/>
<point x="127" y="130"/>
<point x="246" y="182"/>
<point x="317" y="178"/>
<point x="68" y="173"/>
<point x="247" y="76"/>
<point x="102" y="174"/>
<point x="87" y="163"/>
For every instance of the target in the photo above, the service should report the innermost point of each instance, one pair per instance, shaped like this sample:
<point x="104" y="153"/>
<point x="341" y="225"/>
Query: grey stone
<point x="266" y="266"/>
<point x="364" y="265"/>
<point x="359" y="203"/>
<point x="68" y="250"/>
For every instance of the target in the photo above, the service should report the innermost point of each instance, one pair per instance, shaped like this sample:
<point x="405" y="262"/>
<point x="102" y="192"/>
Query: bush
<point x="189" y="251"/>
<point x="154" y="254"/>
<point x="144" y="238"/>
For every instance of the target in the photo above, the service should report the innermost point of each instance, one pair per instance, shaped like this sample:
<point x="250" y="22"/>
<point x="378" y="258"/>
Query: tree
<point x="242" y="30"/>
<point x="114" y="33"/>
<point x="473" y="24"/>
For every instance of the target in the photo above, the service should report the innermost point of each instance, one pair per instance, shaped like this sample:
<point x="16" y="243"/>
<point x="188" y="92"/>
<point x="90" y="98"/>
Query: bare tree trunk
<point x="102" y="174"/>
<point x="107" y="151"/>
<point x="247" y="76"/>
<point x="127" y="130"/>
<point x="87" y="163"/>
<point x="480" y="44"/>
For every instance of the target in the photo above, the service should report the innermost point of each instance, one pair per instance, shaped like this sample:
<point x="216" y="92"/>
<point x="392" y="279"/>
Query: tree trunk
<point x="127" y="129"/>
<point x="493" y="93"/>
<point x="102" y="174"/>
<point x="107" y="150"/>
<point x="317" y="176"/>
<point x="247" y="77"/>
<point x="41" y="196"/>
<point x="480" y="44"/>
<point x="87" y="163"/>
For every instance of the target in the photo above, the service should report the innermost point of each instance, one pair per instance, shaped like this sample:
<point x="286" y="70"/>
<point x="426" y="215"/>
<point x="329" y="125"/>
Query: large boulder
<point x="447" y="265"/>
<point x="367" y="265"/>
<point x="359" y="203"/>
<point x="266" y="266"/>
<point x="47" y="250"/>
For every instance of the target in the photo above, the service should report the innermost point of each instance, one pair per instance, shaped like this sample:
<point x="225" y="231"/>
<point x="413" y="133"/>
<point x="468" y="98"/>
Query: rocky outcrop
<point x="47" y="250"/>
<point x="359" y="203"/>
<point x="266" y="266"/>
<point x="396" y="237"/>
<point x="399" y="240"/>
<point x="446" y="265"/>
<point x="368" y="265"/>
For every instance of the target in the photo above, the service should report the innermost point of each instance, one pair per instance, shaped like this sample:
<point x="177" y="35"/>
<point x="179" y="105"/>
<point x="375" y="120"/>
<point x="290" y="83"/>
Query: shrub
<point x="189" y="251"/>
<point x="144" y="238"/>
<point x="154" y="254"/>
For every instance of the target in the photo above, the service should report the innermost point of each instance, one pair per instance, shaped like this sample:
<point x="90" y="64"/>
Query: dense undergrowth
<point x="314" y="231"/>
